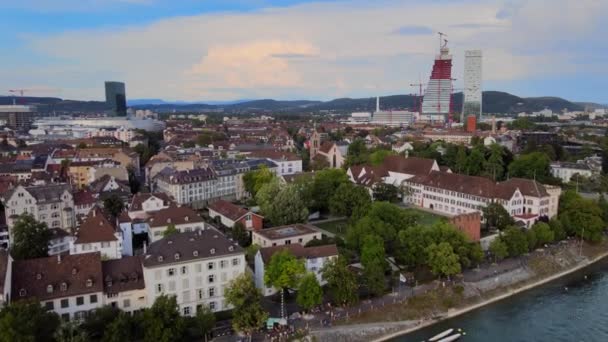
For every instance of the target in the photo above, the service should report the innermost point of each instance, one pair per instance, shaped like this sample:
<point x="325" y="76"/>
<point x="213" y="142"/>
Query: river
<point x="573" y="308"/>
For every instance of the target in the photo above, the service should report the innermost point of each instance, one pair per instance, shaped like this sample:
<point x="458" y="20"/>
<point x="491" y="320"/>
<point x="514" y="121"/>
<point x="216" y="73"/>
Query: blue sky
<point x="297" y="49"/>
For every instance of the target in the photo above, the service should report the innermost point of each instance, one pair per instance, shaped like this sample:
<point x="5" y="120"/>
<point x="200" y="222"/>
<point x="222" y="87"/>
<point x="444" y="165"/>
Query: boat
<point x="450" y="338"/>
<point x="441" y="335"/>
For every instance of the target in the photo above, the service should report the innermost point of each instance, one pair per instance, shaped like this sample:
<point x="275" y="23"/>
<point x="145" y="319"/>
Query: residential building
<point x="97" y="234"/>
<point x="183" y="218"/>
<point x="565" y="171"/>
<point x="84" y="201"/>
<point x="123" y="284"/>
<point x="142" y="204"/>
<point x="285" y="235"/>
<point x="108" y="185"/>
<point x="314" y="260"/>
<point x="18" y="117"/>
<point x="451" y="136"/>
<point x="69" y="285"/>
<point x="287" y="163"/>
<point x="333" y="152"/>
<point x="195" y="267"/>
<point x="229" y="214"/>
<point x="394" y="170"/>
<point x="197" y="187"/>
<point x="6" y="268"/>
<point x="60" y="241"/>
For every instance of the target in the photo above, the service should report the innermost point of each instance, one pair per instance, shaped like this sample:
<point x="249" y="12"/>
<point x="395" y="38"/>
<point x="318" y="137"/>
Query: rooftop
<point x="287" y="231"/>
<point x="300" y="251"/>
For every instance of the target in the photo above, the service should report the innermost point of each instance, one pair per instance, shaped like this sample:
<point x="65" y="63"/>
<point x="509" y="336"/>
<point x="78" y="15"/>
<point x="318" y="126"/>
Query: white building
<point x="285" y="235"/>
<point x="196" y="187"/>
<point x="195" y="267"/>
<point x="314" y="259"/>
<point x="360" y="117"/>
<point x="183" y="219"/>
<point x="565" y="171"/>
<point x="123" y="284"/>
<point x="288" y="163"/>
<point x="472" y="84"/>
<point x="393" y="118"/>
<point x="143" y="204"/>
<point x="97" y="234"/>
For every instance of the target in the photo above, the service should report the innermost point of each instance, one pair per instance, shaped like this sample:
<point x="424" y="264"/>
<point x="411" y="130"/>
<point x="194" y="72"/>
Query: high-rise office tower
<point x="116" y="98"/>
<point x="437" y="100"/>
<point x="472" y="85"/>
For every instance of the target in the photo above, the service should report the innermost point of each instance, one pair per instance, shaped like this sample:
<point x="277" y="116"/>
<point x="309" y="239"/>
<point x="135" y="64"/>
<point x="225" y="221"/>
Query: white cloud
<point x="317" y="50"/>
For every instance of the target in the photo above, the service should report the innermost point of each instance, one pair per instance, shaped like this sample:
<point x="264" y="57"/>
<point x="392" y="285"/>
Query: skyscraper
<point x="116" y="98"/>
<point x="472" y="85"/>
<point x="437" y="100"/>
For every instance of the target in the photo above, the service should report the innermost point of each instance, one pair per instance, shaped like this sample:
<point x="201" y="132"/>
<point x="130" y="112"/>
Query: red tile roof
<point x="139" y="198"/>
<point x="125" y="274"/>
<point x="227" y="209"/>
<point x="300" y="251"/>
<point x="83" y="197"/>
<point x="173" y="215"/>
<point x="95" y="228"/>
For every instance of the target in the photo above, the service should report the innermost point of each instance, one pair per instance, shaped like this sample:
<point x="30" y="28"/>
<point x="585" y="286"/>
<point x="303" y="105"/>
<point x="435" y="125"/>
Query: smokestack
<point x="377" y="104"/>
<point x="493" y="124"/>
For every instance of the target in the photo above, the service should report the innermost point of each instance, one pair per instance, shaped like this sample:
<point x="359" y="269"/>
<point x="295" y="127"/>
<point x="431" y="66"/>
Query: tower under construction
<point x="437" y="100"/>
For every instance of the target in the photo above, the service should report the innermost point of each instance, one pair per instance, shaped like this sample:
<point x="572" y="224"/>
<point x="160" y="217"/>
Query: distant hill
<point x="493" y="102"/>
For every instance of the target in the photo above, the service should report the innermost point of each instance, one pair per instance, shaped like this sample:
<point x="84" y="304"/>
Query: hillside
<point x="493" y="102"/>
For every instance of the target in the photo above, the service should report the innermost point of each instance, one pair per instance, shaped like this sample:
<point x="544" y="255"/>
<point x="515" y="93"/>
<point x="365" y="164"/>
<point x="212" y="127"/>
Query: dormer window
<point x="74" y="271"/>
<point x="89" y="282"/>
<point x="169" y="220"/>
<point x="186" y="218"/>
<point x="212" y="251"/>
<point x="22" y="293"/>
<point x="49" y="289"/>
<point x="160" y="258"/>
<point x="195" y="253"/>
<point x="38" y="276"/>
<point x="176" y="256"/>
<point x="231" y="248"/>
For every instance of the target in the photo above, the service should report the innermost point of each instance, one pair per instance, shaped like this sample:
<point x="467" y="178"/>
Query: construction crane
<point x="419" y="85"/>
<point x="21" y="92"/>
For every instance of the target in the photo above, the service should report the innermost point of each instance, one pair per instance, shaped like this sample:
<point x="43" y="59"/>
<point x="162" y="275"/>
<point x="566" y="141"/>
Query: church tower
<point x="315" y="142"/>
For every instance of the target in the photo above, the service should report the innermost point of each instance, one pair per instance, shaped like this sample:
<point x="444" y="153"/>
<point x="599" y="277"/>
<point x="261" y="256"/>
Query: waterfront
<point x="573" y="308"/>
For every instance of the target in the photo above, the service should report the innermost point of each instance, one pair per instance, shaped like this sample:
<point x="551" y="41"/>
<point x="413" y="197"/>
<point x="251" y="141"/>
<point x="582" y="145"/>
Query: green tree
<point x="163" y="322"/>
<point x="170" y="230"/>
<point x="386" y="192"/>
<point x="188" y="144"/>
<point x="475" y="162"/>
<point x="248" y="315"/>
<point x="558" y="230"/>
<point x="241" y="235"/>
<point x="516" y="241"/>
<point x="27" y="321"/>
<point x="255" y="180"/>
<point x="496" y="216"/>
<point x="205" y="321"/>
<point x="69" y="332"/>
<point x="98" y="321"/>
<point x="603" y="205"/>
<point x="120" y="329"/>
<point x="145" y="153"/>
<point x="543" y="233"/>
<point x="357" y="153"/>
<point x="495" y="167"/>
<point x="134" y="183"/>
<point x="350" y="200"/>
<point x="534" y="165"/>
<point x="267" y="194"/>
<point x="476" y="253"/>
<point x="310" y="293"/>
<point x="499" y="249"/>
<point x="284" y="271"/>
<point x="113" y="204"/>
<point x="374" y="263"/>
<point x="442" y="260"/>
<point x="286" y="208"/>
<point x="377" y="157"/>
<point x="341" y="282"/>
<point x="325" y="184"/>
<point x="461" y="160"/>
<point x="532" y="239"/>
<point x="30" y="238"/>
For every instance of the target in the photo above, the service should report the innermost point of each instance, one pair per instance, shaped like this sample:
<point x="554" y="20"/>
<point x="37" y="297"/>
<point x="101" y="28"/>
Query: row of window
<point x="187" y="310"/>
<point x="198" y="268"/>
<point x="65" y="303"/>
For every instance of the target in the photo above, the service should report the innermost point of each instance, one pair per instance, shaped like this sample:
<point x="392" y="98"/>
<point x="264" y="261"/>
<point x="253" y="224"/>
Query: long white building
<point x="472" y="84"/>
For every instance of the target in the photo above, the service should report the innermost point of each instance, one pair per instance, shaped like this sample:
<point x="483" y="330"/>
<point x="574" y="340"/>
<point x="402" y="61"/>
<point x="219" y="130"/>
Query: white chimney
<point x="145" y="247"/>
<point x="59" y="258"/>
<point x="377" y="104"/>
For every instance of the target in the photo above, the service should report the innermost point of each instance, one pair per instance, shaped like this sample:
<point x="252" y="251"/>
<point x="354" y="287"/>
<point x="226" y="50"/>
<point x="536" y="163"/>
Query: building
<point x="60" y="242"/>
<point x="565" y="171"/>
<point x="70" y="285"/>
<point x="360" y="117"/>
<point x="437" y="100"/>
<point x="450" y="136"/>
<point x="395" y="170"/>
<point x="18" y="117"/>
<point x="51" y="204"/>
<point x="116" y="98"/>
<point x="285" y="235"/>
<point x="83" y="173"/>
<point x="393" y="118"/>
<point x="333" y="152"/>
<point x="199" y="186"/>
<point x="472" y="85"/>
<point x="6" y="267"/>
<point x="123" y="284"/>
<point x="229" y="214"/>
<point x="195" y="267"/>
<point x="537" y="139"/>
<point x="143" y="204"/>
<point x="182" y="218"/>
<point x="82" y="127"/>
<point x="469" y="224"/>
<point x="97" y="234"/>
<point x="287" y="163"/>
<point x="314" y="260"/>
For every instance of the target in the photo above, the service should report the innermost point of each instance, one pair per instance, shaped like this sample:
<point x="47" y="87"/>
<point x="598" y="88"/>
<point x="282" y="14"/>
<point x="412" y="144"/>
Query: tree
<point x="205" y="321"/>
<point x="170" y="230"/>
<point x="495" y="166"/>
<point x="558" y="230"/>
<point x="603" y="205"/>
<point x="310" y="293"/>
<point x="163" y="322"/>
<point x="357" y="153"/>
<point x="134" y="183"/>
<point x="241" y="235"/>
<point x="30" y="238"/>
<point x="188" y="144"/>
<point x="267" y="194"/>
<point x="350" y="200"/>
<point x="461" y="159"/>
<point x="254" y="180"/>
<point x="97" y="322"/>
<point x="113" y="204"/>
<point x="476" y="253"/>
<point x="324" y="185"/>
<point x="145" y="153"/>
<point x="475" y="162"/>
<point x="248" y="315"/>
<point x="516" y="241"/>
<point x="286" y="207"/>
<point x="581" y="217"/>
<point x="386" y="192"/>
<point x="534" y="165"/>
<point x="120" y="329"/>
<point x="497" y="216"/>
<point x="374" y="263"/>
<point x="543" y="233"/>
<point x="377" y="157"/>
<point x="341" y="282"/>
<point x="284" y="271"/>
<point x="27" y="321"/>
<point x="499" y="249"/>
<point x="442" y="260"/>
<point x="532" y="239"/>
<point x="69" y="332"/>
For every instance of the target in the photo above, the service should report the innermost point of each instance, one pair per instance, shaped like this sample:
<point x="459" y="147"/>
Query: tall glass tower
<point x="472" y="85"/>
<point x="116" y="98"/>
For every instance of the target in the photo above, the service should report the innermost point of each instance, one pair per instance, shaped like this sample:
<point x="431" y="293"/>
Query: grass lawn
<point x="336" y="227"/>
<point x="426" y="219"/>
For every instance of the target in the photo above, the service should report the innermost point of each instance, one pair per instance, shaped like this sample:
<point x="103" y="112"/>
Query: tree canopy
<point x="516" y="241"/>
<point x="254" y="180"/>
<point x="442" y="260"/>
<point x="341" y="282"/>
<point x="581" y="217"/>
<point x="284" y="270"/>
<point x="324" y="185"/>
<point x="162" y="322"/>
<point x="27" y="321"/>
<point x="535" y="165"/>
<point x="113" y="204"/>
<point x="310" y="293"/>
<point x="350" y="200"/>
<point x="497" y="216"/>
<point x="374" y="263"/>
<point x="30" y="238"/>
<point x="248" y="315"/>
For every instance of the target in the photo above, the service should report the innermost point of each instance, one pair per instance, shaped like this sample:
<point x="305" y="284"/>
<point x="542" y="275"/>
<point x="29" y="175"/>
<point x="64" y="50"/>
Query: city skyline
<point x="295" y="50"/>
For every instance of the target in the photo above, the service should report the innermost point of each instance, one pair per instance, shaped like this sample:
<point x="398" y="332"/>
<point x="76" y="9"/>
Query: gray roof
<point x="188" y="246"/>
<point x="44" y="193"/>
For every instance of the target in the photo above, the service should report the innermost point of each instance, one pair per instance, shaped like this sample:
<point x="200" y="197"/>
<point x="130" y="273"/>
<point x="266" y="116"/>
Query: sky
<point x="220" y="50"/>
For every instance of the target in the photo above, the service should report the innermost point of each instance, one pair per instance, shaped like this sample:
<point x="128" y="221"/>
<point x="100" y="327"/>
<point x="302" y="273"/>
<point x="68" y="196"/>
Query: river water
<point x="573" y="308"/>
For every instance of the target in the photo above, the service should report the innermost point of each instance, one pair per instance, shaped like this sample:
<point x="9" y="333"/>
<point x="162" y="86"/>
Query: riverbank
<point x="544" y="268"/>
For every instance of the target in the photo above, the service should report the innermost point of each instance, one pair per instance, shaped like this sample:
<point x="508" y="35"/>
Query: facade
<point x="97" y="234"/>
<point x="123" y="284"/>
<point x="285" y="235"/>
<point x="60" y="242"/>
<point x="17" y="117"/>
<point x="6" y="267"/>
<point x="287" y="163"/>
<point x="51" y="204"/>
<point x="565" y="171"/>
<point x="196" y="267"/>
<point x="437" y="100"/>
<point x="69" y="285"/>
<point x="197" y="187"/>
<point x="454" y="137"/>
<point x="229" y="214"/>
<point x="393" y="118"/>
<point x="143" y="204"/>
<point x="183" y="218"/>
<point x="116" y="98"/>
<point x="314" y="260"/>
<point x="472" y="84"/>
<point x="334" y="152"/>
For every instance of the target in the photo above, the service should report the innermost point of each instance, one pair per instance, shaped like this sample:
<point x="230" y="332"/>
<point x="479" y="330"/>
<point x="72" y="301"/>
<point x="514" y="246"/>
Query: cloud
<point x="317" y="50"/>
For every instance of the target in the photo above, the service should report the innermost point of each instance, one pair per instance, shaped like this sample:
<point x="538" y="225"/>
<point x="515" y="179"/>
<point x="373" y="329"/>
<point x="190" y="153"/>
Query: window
<point x="49" y="305"/>
<point x="79" y="300"/>
<point x="126" y="303"/>
<point x="211" y="292"/>
<point x="200" y="294"/>
<point x="186" y="311"/>
<point x="223" y="264"/>
<point x="93" y="299"/>
<point x="65" y="317"/>
<point x="159" y="288"/>
<point x="171" y="272"/>
<point x="288" y="242"/>
<point x="186" y="296"/>
<point x="211" y="279"/>
<point x="210" y="266"/>
<point x="235" y="262"/>
<point x="89" y="283"/>
<point x="65" y="303"/>
<point x="184" y="269"/>
<point x="198" y="268"/>
<point x="212" y="306"/>
<point x="105" y="244"/>
<point x="49" y="289"/>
